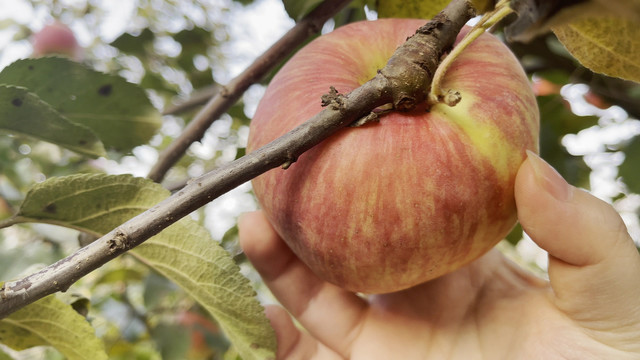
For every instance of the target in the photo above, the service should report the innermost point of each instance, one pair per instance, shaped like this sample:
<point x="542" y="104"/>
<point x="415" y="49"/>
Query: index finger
<point x="331" y="314"/>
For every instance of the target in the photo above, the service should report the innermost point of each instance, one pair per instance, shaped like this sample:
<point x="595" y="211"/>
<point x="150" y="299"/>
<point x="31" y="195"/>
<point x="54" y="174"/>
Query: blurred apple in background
<point x="56" y="38"/>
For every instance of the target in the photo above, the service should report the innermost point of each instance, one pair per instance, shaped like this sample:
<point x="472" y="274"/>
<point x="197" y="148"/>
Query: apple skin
<point x="390" y="205"/>
<point x="56" y="39"/>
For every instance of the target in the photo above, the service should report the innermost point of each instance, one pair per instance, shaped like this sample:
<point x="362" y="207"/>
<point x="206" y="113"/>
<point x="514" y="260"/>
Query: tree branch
<point x="229" y="94"/>
<point x="404" y="81"/>
<point x="198" y="98"/>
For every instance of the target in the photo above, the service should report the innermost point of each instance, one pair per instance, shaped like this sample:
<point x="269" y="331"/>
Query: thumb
<point x="594" y="266"/>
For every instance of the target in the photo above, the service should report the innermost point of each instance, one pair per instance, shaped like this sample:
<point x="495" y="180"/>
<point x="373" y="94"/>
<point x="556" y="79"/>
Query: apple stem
<point x="450" y="97"/>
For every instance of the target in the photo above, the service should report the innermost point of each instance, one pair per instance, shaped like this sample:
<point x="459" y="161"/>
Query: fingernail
<point x="548" y="178"/>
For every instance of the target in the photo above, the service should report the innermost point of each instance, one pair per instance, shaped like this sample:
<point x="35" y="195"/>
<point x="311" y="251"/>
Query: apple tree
<point x="124" y="162"/>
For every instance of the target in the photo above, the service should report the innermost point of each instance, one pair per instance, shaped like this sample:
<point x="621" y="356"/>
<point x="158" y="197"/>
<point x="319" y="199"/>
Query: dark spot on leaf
<point x="30" y="67"/>
<point x="16" y="102"/>
<point x="105" y="90"/>
<point x="82" y="142"/>
<point x="51" y="208"/>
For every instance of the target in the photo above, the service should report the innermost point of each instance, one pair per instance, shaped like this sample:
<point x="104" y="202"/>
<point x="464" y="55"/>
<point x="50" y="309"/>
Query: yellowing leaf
<point x="49" y="321"/>
<point x="607" y="45"/>
<point x="419" y="9"/>
<point x="184" y="252"/>
<point x="537" y="17"/>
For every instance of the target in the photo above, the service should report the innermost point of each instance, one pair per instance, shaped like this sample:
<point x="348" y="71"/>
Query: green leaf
<point x="556" y="121"/>
<point x="118" y="112"/>
<point x="120" y="275"/>
<point x="156" y="288"/>
<point x="558" y="112"/>
<point x="297" y="9"/>
<point x="4" y="356"/>
<point x="184" y="252"/>
<point x="420" y="9"/>
<point x="628" y="170"/>
<point x="134" y="44"/>
<point x="51" y="322"/>
<point x="194" y="42"/>
<point x="25" y="113"/>
<point x="173" y="341"/>
<point x="94" y="203"/>
<point x="515" y="235"/>
<point x="607" y="45"/>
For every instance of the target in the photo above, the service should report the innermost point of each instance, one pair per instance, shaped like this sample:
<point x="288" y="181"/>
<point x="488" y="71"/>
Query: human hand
<point x="490" y="309"/>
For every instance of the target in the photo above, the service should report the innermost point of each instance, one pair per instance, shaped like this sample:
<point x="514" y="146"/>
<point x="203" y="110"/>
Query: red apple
<point x="393" y="204"/>
<point x="56" y="39"/>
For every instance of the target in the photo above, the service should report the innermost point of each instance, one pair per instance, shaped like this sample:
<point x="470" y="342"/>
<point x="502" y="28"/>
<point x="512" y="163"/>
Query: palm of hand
<point x="488" y="310"/>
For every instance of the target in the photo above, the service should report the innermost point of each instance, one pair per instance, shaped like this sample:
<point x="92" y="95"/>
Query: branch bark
<point x="227" y="95"/>
<point x="404" y="81"/>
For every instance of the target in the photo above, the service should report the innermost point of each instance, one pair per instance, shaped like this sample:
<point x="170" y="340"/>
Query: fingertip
<point x="572" y="225"/>
<point x="593" y="262"/>
<point x="307" y="297"/>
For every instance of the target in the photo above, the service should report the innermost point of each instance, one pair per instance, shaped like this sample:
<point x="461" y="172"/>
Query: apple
<point x="393" y="204"/>
<point x="56" y="39"/>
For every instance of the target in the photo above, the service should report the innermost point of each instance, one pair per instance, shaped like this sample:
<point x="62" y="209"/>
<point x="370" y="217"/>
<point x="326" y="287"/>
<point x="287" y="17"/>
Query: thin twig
<point x="230" y="93"/>
<point x="424" y="48"/>
<point x="198" y="98"/>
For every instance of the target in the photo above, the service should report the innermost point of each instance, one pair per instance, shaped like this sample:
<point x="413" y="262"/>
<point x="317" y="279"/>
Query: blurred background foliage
<point x="185" y="49"/>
